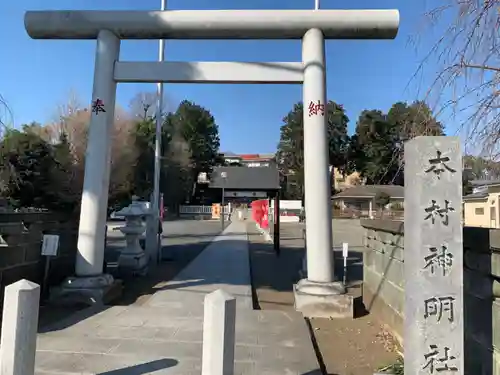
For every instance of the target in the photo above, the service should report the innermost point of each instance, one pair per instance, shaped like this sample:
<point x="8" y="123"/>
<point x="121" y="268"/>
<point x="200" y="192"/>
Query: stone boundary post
<point x="219" y="333"/>
<point x="19" y="328"/>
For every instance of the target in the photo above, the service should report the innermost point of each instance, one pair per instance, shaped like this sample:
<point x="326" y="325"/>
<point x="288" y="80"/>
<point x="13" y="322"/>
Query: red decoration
<point x="260" y="212"/>
<point x="316" y="109"/>
<point x="98" y="106"/>
<point x="264" y="223"/>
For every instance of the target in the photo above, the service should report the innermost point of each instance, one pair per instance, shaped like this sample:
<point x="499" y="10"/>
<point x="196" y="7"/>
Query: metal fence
<point x="199" y="210"/>
<point x="375" y="214"/>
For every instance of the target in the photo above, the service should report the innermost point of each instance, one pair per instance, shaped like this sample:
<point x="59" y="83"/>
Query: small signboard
<point x="345" y="249"/>
<point x="345" y="253"/>
<point x="50" y="244"/>
<point x="216" y="208"/>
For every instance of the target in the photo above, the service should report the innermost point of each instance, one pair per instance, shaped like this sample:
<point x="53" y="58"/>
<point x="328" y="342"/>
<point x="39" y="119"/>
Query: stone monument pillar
<point x="433" y="257"/>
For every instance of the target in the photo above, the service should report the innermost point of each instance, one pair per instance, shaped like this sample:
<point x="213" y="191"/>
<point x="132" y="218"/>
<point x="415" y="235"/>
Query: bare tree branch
<point x="5" y="113"/>
<point x="7" y="171"/>
<point x="483" y="67"/>
<point x="467" y="55"/>
<point x="143" y="105"/>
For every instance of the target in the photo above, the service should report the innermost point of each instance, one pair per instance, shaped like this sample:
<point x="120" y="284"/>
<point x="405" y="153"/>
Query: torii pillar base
<point x="94" y="290"/>
<point x="323" y="300"/>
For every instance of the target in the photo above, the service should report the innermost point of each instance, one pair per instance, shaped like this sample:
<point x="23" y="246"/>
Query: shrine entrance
<point x="244" y="185"/>
<point x="312" y="27"/>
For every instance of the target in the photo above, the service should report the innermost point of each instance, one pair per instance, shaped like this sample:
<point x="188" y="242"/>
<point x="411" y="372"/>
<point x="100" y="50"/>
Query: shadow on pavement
<point x="289" y="262"/>
<point x="161" y="364"/>
<point x="175" y="258"/>
<point x="178" y="251"/>
<point x="144" y="368"/>
<point x="271" y="273"/>
<point x="73" y="319"/>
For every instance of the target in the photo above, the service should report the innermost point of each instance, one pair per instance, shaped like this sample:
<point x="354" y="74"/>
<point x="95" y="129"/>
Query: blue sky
<point x="38" y="75"/>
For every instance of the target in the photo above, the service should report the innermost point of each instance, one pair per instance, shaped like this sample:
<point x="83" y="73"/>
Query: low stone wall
<point x="383" y="271"/>
<point x="383" y="287"/>
<point x="21" y="242"/>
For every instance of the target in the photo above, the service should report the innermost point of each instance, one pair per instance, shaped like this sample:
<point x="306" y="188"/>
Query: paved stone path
<point x="164" y="335"/>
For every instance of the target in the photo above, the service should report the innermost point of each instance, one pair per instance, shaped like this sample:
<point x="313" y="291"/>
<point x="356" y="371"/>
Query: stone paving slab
<point x="224" y="264"/>
<point x="164" y="335"/>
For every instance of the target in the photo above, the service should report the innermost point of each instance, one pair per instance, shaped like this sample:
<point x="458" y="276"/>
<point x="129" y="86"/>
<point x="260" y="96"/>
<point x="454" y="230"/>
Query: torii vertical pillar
<point x="89" y="283"/>
<point x="318" y="295"/>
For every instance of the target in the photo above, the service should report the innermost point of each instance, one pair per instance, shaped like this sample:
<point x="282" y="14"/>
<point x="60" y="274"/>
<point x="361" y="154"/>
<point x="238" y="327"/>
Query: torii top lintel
<point x="213" y="24"/>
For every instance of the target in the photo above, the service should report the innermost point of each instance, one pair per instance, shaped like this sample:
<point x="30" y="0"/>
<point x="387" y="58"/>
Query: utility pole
<point x="153" y="246"/>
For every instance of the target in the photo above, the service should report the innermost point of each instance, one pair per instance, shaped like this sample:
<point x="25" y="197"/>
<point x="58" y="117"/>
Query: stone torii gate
<point x="319" y="294"/>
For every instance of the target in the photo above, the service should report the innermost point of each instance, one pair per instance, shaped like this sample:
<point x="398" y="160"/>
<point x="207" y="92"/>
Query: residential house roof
<point x="477" y="183"/>
<point x="370" y="191"/>
<point x="249" y="157"/>
<point x="476" y="196"/>
<point x="244" y="178"/>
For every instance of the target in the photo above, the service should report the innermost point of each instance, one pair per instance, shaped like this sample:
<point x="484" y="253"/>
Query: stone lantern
<point x="133" y="259"/>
